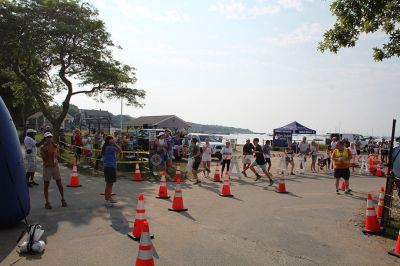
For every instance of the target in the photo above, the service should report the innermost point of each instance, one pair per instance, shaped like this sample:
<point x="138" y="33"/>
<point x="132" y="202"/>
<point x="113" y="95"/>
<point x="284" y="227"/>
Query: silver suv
<point x="215" y="142"/>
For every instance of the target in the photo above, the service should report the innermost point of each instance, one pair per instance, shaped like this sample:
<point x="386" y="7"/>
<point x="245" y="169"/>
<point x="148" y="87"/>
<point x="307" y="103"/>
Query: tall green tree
<point x="56" y="46"/>
<point x="364" y="16"/>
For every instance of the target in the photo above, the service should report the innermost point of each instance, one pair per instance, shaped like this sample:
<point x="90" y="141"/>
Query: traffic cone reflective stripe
<point x="74" y="179"/>
<point x="217" y="175"/>
<point x="177" y="204"/>
<point x="178" y="173"/>
<point x="140" y="218"/>
<point x="371" y="220"/>
<point x="281" y="184"/>
<point x="381" y="201"/>
<point x="145" y="254"/>
<point x="226" y="188"/>
<point x="137" y="176"/>
<point x="163" y="190"/>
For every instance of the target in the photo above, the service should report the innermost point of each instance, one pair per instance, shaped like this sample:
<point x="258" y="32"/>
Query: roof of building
<point x="95" y="113"/>
<point x="37" y="115"/>
<point x="154" y="120"/>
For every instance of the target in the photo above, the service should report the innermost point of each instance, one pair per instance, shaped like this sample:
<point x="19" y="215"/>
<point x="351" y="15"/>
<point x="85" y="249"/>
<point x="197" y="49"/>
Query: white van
<point x="215" y="142"/>
<point x="349" y="136"/>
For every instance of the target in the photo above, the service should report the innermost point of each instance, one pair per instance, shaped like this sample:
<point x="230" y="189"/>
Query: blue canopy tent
<point x="283" y="134"/>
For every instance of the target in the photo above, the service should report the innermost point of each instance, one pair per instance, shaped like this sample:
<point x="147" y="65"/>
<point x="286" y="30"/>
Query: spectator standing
<point x="226" y="157"/>
<point x="353" y="151"/>
<point x="304" y="149"/>
<point x="248" y="150"/>
<point x="333" y="143"/>
<point x="314" y="155"/>
<point x="109" y="153"/>
<point x="289" y="153"/>
<point x="358" y="146"/>
<point x="30" y="155"/>
<point x="206" y="156"/>
<point x="78" y="145"/>
<point x="169" y="149"/>
<point x="341" y="157"/>
<point x="161" y="147"/>
<point x="49" y="152"/>
<point x="384" y="151"/>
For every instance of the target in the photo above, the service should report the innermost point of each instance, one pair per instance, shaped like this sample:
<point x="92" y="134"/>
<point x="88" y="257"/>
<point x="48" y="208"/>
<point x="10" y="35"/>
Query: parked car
<point x="215" y="142"/>
<point x="350" y="137"/>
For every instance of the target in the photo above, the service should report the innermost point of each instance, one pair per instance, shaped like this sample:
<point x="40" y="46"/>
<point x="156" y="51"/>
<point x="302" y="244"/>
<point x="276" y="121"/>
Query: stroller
<point x="322" y="162"/>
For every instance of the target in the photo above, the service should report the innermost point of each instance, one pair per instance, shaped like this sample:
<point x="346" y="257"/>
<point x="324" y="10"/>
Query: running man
<point x="259" y="161"/>
<point x="341" y="157"/>
<point x="267" y="154"/>
<point x="247" y="155"/>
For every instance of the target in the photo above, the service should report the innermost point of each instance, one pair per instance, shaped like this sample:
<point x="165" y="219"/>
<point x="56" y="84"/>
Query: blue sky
<point x="251" y="64"/>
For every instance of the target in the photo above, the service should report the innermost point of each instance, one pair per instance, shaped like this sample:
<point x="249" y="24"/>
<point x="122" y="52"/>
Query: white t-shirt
<point x="333" y="145"/>
<point x="303" y="146"/>
<point x="30" y="144"/>
<point x="207" y="151"/>
<point x="227" y="153"/>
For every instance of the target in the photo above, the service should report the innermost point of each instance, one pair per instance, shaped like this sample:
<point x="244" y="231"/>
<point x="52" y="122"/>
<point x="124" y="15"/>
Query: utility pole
<point x="121" y="113"/>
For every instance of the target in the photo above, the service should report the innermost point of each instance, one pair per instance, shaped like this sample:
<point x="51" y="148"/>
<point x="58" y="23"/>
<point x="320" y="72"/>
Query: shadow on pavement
<point x="187" y="215"/>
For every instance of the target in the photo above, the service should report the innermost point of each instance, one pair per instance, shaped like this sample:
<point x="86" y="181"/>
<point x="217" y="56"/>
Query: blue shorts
<point x="262" y="166"/>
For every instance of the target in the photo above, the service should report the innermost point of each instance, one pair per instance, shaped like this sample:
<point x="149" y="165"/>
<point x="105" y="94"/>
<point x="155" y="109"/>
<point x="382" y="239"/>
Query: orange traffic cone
<point x="217" y="176"/>
<point x="178" y="172"/>
<point x="371" y="221"/>
<point x="140" y="218"/>
<point x="177" y="204"/>
<point x="74" y="179"/>
<point x="380" y="203"/>
<point x="137" y="176"/>
<point x="396" y="251"/>
<point x="343" y="187"/>
<point x="281" y="185"/>
<point x="226" y="188"/>
<point x="163" y="190"/>
<point x="145" y="256"/>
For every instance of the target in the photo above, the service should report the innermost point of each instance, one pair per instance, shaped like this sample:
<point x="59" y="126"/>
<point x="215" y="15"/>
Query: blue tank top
<point x="110" y="157"/>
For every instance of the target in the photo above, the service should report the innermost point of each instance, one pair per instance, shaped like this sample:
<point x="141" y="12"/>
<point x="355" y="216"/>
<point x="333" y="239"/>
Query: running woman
<point x="289" y="153"/>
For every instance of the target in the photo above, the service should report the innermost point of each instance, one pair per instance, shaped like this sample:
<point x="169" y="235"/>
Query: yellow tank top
<point x="345" y="161"/>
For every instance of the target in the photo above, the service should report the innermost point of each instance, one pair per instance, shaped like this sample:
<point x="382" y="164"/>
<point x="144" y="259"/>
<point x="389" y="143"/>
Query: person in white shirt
<point x="30" y="155"/>
<point x="333" y="143"/>
<point x="226" y="156"/>
<point x="206" y="156"/>
<point x="353" y="151"/>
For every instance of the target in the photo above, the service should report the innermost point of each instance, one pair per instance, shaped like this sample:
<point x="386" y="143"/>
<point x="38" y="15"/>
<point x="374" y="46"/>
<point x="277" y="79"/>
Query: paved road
<point x="309" y="226"/>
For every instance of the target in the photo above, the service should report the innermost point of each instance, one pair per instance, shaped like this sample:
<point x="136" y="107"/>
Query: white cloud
<point x="239" y="10"/>
<point x="295" y="4"/>
<point x="307" y="32"/>
<point x="130" y="10"/>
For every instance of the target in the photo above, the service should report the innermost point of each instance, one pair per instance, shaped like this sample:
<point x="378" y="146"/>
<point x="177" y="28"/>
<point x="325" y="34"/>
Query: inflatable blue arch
<point x="14" y="193"/>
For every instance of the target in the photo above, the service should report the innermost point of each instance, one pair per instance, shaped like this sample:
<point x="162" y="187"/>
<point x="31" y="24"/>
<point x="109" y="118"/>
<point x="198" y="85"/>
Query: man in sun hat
<point x="49" y="152"/>
<point x="30" y="155"/>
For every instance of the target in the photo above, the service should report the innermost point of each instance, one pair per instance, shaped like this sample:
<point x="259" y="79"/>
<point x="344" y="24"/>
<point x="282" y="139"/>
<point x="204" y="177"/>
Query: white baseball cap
<point x="48" y="134"/>
<point x="31" y="131"/>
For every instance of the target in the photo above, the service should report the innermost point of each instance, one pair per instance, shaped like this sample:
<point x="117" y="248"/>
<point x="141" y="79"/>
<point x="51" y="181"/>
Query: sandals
<point x="48" y="206"/>
<point x="63" y="203"/>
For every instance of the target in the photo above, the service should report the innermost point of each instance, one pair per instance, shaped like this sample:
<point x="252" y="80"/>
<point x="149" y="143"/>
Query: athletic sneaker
<point x="108" y="203"/>
<point x="337" y="191"/>
<point x="271" y="182"/>
<point x="197" y="182"/>
<point x="244" y="173"/>
<point x="347" y="191"/>
<point x="258" y="177"/>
